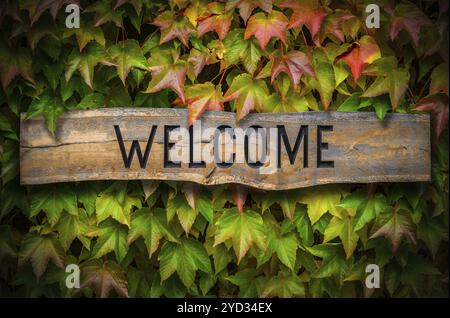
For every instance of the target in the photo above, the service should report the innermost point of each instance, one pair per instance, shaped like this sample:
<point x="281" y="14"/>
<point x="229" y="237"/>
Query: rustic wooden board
<point x="363" y="148"/>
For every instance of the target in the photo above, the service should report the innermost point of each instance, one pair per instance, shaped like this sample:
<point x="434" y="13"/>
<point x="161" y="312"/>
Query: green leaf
<point x="53" y="200"/>
<point x="152" y="226"/>
<point x="50" y="107"/>
<point x="85" y="34"/>
<point x="126" y="55"/>
<point x="239" y="50"/>
<point x="243" y="230"/>
<point x="321" y="200"/>
<point x="185" y="258"/>
<point x="249" y="284"/>
<point x="304" y="228"/>
<point x="249" y="94"/>
<point x="344" y="229"/>
<point x="368" y="208"/>
<point x="284" y="285"/>
<point x="117" y="203"/>
<point x="86" y="61"/>
<point x="71" y="226"/>
<point x="112" y="237"/>
<point x="285" y="247"/>
<point x="91" y="101"/>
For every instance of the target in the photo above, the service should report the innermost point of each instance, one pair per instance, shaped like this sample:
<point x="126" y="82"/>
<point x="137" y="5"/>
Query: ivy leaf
<point x="283" y="285"/>
<point x="333" y="25"/>
<point x="103" y="277"/>
<point x="185" y="258"/>
<point x="395" y="83"/>
<point x="71" y="227"/>
<point x="244" y="230"/>
<point x="284" y="245"/>
<point x="220" y="23"/>
<point x="105" y="13"/>
<point x="320" y="200"/>
<point x="126" y="55"/>
<point x="87" y="195"/>
<point x="237" y="49"/>
<point x="293" y="63"/>
<point x="186" y="214"/>
<point x="239" y="194"/>
<point x="432" y="232"/>
<point x="264" y="27"/>
<point x="250" y="94"/>
<point x="438" y="105"/>
<point x="167" y="72"/>
<point x="286" y="199"/>
<point x="293" y="102"/>
<point x="199" y="59"/>
<point x="40" y="250"/>
<point x="201" y="97"/>
<point x="248" y="282"/>
<point x="408" y="17"/>
<point x="137" y="4"/>
<point x="152" y="226"/>
<point x="246" y="7"/>
<point x="439" y="79"/>
<point x="365" y="51"/>
<point x="116" y="202"/>
<point x="12" y="195"/>
<point x="198" y="201"/>
<point x="307" y="13"/>
<point x="304" y="227"/>
<point x="367" y="208"/>
<point x="86" y="34"/>
<point x="394" y="225"/>
<point x="344" y="229"/>
<point x="91" y="101"/>
<point x="112" y="236"/>
<point x="172" y="27"/>
<point x="86" y="61"/>
<point x="325" y="82"/>
<point x="13" y="63"/>
<point x="53" y="199"/>
<point x="38" y="8"/>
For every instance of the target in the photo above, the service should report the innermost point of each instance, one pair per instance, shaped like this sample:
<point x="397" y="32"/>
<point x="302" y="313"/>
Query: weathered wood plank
<point x="363" y="149"/>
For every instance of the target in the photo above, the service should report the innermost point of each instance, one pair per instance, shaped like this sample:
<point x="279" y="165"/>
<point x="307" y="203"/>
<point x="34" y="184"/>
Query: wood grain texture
<point x="363" y="148"/>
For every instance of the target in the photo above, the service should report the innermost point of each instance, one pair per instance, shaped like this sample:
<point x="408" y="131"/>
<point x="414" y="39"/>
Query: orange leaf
<point x="360" y="53"/>
<point x="265" y="27"/>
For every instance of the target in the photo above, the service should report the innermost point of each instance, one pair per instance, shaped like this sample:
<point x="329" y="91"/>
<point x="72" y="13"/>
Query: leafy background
<point x="152" y="239"/>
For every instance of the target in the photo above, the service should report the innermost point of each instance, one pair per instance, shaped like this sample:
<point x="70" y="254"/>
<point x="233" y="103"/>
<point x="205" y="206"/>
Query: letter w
<point x="135" y="147"/>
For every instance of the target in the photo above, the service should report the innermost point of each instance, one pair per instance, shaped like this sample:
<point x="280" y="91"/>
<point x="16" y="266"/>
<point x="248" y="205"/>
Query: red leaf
<point x="201" y="97"/>
<point x="265" y="27"/>
<point x="218" y="23"/>
<point x="199" y="59"/>
<point x="408" y="17"/>
<point x="293" y="63"/>
<point x="438" y="105"/>
<point x="360" y="53"/>
<point x="239" y="193"/>
<point x="167" y="72"/>
<point x="191" y="191"/>
<point x="307" y="13"/>
<point x="333" y="25"/>
<point x="246" y="7"/>
<point x="172" y="27"/>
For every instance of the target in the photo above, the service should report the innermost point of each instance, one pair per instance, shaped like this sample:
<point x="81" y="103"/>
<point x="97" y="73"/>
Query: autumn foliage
<point x="155" y="239"/>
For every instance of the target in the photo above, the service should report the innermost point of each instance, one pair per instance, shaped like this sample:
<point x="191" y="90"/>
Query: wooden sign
<point x="304" y="149"/>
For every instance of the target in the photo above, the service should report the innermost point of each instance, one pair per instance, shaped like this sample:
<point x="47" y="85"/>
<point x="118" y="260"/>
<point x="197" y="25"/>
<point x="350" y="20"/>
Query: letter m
<point x="135" y="147"/>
